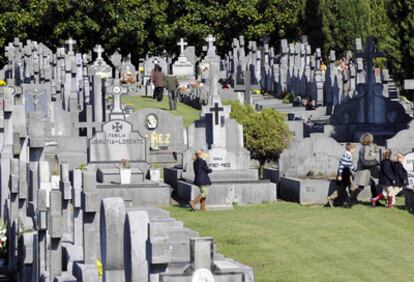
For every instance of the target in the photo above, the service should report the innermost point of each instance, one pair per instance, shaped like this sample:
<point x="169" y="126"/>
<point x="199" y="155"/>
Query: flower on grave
<point x="124" y="164"/>
<point x="204" y="67"/>
<point x="2" y="83"/>
<point x="183" y="89"/>
<point x="99" y="267"/>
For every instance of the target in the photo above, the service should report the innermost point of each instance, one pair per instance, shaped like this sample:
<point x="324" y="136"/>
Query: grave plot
<point x="77" y="186"/>
<point x="222" y="138"/>
<point x="308" y="170"/>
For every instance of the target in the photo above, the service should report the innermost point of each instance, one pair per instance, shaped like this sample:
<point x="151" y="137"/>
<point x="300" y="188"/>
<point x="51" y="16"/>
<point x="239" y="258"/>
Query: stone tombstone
<point x="218" y="134"/>
<point x="163" y="130"/>
<point x="37" y="97"/>
<point x="151" y="62"/>
<point x="317" y="155"/>
<point x="183" y="68"/>
<point x="117" y="141"/>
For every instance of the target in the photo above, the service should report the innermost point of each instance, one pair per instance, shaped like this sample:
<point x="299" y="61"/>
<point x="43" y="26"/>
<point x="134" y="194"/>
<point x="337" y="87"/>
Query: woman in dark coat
<point x="201" y="171"/>
<point x="387" y="180"/>
<point x="401" y="175"/>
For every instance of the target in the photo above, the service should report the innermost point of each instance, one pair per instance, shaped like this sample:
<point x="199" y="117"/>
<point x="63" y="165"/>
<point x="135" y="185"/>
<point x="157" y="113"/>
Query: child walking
<point x="344" y="174"/>
<point x="387" y="180"/>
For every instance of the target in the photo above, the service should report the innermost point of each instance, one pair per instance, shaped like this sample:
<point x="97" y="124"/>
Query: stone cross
<point x="98" y="50"/>
<point x="116" y="90"/>
<point x="210" y="39"/>
<point x="10" y="51"/>
<point x="182" y="45"/>
<point x="369" y="55"/>
<point x="216" y="109"/>
<point x="70" y="42"/>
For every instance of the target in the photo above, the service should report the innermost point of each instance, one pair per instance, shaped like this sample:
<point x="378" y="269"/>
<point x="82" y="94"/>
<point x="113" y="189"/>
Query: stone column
<point x="136" y="247"/>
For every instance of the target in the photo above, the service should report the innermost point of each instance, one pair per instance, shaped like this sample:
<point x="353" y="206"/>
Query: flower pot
<point x="125" y="175"/>
<point x="155" y="174"/>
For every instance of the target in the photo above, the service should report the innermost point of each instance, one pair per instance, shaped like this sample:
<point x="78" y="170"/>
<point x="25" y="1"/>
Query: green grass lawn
<point x="188" y="113"/>
<point x="288" y="242"/>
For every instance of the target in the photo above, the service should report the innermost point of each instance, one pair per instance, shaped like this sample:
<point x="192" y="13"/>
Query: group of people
<point x="391" y="174"/>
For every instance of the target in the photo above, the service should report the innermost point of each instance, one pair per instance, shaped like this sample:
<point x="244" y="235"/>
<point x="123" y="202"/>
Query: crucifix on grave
<point x="116" y="90"/>
<point x="369" y="54"/>
<point x="70" y="42"/>
<point x="182" y="45"/>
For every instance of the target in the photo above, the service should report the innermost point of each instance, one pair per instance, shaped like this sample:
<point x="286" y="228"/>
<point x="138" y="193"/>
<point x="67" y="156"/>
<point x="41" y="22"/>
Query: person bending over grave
<point x="367" y="168"/>
<point x="157" y="78"/>
<point x="387" y="180"/>
<point x="201" y="179"/>
<point x="344" y="175"/>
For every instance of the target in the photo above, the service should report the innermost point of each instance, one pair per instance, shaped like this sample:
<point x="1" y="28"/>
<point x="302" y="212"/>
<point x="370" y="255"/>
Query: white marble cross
<point x="70" y="42"/>
<point x="182" y="45"/>
<point x="98" y="50"/>
<point x="210" y="40"/>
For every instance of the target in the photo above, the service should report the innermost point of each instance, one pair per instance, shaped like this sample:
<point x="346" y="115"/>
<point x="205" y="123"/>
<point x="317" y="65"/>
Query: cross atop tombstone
<point x="216" y="110"/>
<point x="9" y="51"/>
<point x="369" y="54"/>
<point x="182" y="45"/>
<point x="116" y="90"/>
<point x="99" y="51"/>
<point x="210" y="40"/>
<point x="70" y="42"/>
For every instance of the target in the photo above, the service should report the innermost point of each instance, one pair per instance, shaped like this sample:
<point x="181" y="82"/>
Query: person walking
<point x="171" y="84"/>
<point x="202" y="180"/>
<point x="344" y="174"/>
<point x="157" y="78"/>
<point x="367" y="168"/>
<point x="387" y="180"/>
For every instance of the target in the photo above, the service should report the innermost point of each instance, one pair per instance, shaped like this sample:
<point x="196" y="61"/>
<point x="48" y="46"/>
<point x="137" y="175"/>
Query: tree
<point x="266" y="133"/>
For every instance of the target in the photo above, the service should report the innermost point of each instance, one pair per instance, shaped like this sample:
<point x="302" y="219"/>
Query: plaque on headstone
<point x="117" y="141"/>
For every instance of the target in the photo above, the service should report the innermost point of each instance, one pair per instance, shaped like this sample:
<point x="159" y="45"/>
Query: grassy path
<point x="188" y="113"/>
<point x="289" y="242"/>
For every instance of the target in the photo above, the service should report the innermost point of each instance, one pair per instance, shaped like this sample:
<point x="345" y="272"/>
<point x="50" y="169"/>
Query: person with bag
<point x="202" y="180"/>
<point x="387" y="180"/>
<point x="367" y="168"/>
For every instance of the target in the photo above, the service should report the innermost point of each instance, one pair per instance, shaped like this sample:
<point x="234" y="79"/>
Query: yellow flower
<point x="99" y="266"/>
<point x="2" y="83"/>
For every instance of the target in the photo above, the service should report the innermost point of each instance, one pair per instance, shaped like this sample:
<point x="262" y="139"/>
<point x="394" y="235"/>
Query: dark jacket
<point x="401" y="175"/>
<point x="201" y="172"/>
<point x="387" y="175"/>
